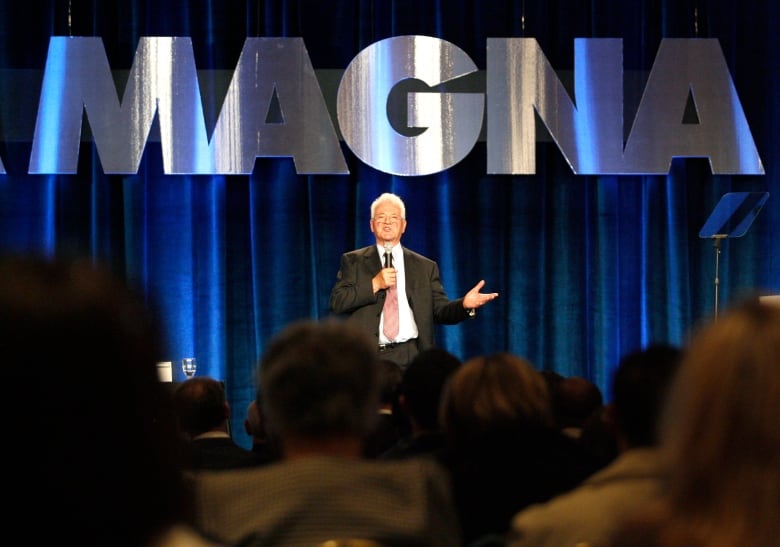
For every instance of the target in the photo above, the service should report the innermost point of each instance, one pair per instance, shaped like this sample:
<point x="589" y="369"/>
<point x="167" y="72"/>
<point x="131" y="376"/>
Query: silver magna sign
<point x="439" y="123"/>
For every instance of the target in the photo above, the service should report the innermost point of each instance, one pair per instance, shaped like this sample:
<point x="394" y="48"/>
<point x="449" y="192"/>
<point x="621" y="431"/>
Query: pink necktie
<point x="390" y="310"/>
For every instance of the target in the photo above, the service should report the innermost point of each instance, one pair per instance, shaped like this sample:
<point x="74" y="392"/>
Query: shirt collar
<point x="394" y="251"/>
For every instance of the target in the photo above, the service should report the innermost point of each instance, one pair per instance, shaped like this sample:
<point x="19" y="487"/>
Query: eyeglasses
<point x="387" y="219"/>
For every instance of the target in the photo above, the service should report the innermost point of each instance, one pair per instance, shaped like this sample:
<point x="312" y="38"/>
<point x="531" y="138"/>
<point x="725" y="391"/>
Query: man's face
<point x="387" y="224"/>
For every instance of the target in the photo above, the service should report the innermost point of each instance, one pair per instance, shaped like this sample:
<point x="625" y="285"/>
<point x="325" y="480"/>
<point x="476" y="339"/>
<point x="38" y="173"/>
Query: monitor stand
<point x="731" y="217"/>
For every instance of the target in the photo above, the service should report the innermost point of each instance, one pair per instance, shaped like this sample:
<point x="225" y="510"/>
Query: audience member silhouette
<point x="320" y="393"/>
<point x="419" y="398"/>
<point x="721" y="440"/>
<point x="553" y="379"/>
<point x="389" y="426"/>
<point x="96" y="456"/>
<point x="575" y="400"/>
<point x="578" y="411"/>
<point x="589" y="514"/>
<point x="597" y="439"/>
<point x="203" y="414"/>
<point x="263" y="445"/>
<point x="503" y="451"/>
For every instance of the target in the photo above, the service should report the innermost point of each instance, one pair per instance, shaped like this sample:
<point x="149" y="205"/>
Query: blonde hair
<point x="721" y="434"/>
<point x="494" y="393"/>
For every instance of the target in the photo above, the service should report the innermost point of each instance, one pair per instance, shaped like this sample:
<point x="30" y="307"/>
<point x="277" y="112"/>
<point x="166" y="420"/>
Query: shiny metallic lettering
<point x="521" y="81"/>
<point x="278" y="67"/>
<point x="452" y="121"/>
<point x="695" y="68"/>
<point x="163" y="80"/>
<point x="438" y="128"/>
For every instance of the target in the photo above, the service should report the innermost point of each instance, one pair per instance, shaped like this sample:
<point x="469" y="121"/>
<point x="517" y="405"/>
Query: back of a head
<point x="254" y="420"/>
<point x="574" y="400"/>
<point x="423" y="382"/>
<point x="552" y="378"/>
<point x="720" y="429"/>
<point x="390" y="375"/>
<point x="95" y="441"/>
<point x="200" y="405"/>
<point x="320" y="380"/>
<point x="492" y="395"/>
<point x="639" y="390"/>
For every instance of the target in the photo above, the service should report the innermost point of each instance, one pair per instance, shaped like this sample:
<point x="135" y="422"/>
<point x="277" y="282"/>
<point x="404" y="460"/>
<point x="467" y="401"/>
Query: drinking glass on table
<point x="189" y="365"/>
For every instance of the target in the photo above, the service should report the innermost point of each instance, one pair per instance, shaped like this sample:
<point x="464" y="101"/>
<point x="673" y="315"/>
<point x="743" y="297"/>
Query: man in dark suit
<point x="203" y="413"/>
<point x="319" y="386"/>
<point x="370" y="276"/>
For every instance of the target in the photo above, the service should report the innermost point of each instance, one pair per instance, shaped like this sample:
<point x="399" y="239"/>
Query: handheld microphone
<point x="388" y="255"/>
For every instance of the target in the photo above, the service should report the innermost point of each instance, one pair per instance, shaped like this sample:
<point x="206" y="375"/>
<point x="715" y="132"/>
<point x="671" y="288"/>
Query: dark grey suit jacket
<point x="306" y="501"/>
<point x="353" y="295"/>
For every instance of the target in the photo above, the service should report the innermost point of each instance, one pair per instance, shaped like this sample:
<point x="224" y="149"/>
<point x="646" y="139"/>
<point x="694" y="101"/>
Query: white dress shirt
<point x="407" y="328"/>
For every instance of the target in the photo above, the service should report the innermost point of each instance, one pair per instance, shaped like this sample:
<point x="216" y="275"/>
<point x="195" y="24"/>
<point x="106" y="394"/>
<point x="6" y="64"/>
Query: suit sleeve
<point x="353" y="288"/>
<point x="445" y="311"/>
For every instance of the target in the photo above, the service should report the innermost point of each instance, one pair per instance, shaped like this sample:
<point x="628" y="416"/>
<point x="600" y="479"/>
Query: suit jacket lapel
<point x="372" y="261"/>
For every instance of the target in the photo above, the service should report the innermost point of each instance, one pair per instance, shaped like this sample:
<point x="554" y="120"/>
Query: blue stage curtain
<point x="587" y="267"/>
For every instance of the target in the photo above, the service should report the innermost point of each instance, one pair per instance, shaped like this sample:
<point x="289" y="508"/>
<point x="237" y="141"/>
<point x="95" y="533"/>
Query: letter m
<point x="162" y="81"/>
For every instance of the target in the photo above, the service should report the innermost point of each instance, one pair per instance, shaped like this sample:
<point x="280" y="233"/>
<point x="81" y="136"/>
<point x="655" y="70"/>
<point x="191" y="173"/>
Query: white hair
<point x="392" y="198"/>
